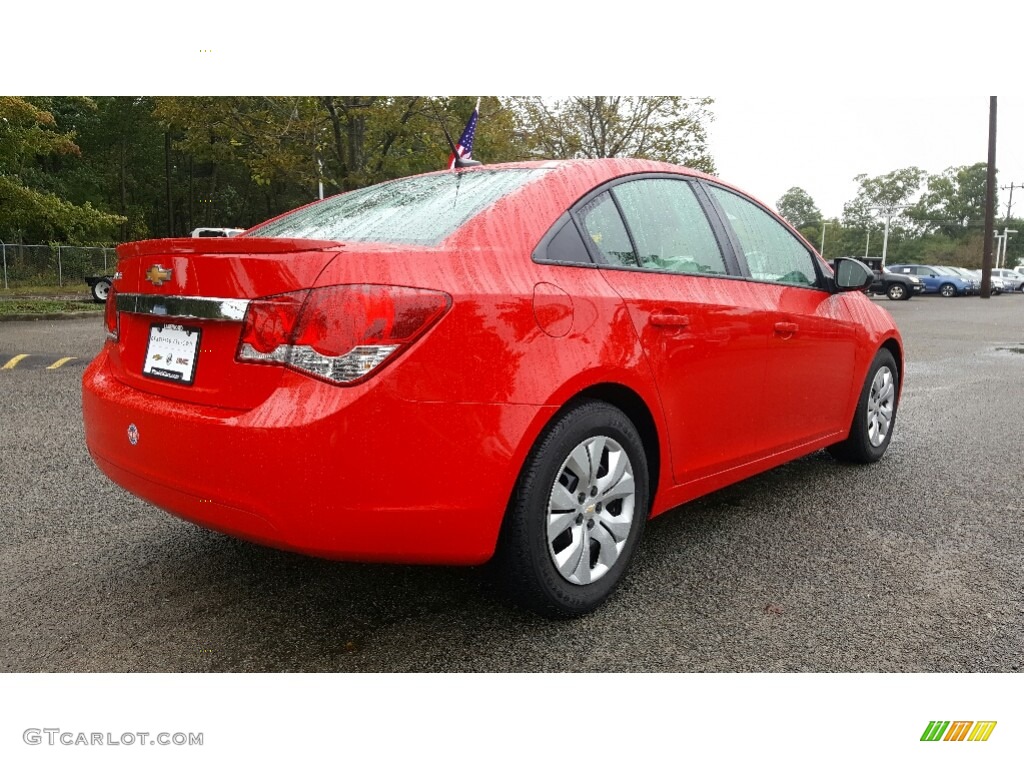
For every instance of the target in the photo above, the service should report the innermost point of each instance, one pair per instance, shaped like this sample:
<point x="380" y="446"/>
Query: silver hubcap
<point x="590" y="510"/>
<point x="880" y="406"/>
<point x="102" y="289"/>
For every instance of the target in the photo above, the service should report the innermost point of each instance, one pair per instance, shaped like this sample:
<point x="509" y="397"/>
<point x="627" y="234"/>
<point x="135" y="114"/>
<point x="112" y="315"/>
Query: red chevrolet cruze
<point x="516" y="362"/>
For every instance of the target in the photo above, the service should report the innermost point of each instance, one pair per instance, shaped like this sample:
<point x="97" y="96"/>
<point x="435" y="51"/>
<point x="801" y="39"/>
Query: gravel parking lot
<point x="913" y="564"/>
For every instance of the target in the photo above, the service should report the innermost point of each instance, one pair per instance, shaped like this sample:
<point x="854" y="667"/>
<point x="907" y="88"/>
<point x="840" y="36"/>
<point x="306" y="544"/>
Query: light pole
<point x="824" y="226"/>
<point x="888" y="212"/>
<point x="1004" y="240"/>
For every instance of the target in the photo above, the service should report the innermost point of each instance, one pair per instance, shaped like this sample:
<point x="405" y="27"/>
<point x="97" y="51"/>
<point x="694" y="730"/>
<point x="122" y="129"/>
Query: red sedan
<point x="516" y="362"/>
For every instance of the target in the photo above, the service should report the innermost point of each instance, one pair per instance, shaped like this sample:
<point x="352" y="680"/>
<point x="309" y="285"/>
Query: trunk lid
<point x="180" y="307"/>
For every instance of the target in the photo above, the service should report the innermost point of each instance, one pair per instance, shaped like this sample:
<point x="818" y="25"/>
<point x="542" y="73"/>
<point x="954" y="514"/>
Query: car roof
<point x="565" y="182"/>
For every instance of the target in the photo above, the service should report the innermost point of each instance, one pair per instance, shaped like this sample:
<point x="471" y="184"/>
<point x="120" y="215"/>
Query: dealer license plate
<point x="172" y="352"/>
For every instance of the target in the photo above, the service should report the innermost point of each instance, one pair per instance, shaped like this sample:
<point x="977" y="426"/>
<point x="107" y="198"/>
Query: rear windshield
<point x="419" y="210"/>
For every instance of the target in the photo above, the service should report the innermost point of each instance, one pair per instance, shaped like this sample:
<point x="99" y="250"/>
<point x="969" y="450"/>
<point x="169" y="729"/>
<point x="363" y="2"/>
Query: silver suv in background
<point x="1012" y="280"/>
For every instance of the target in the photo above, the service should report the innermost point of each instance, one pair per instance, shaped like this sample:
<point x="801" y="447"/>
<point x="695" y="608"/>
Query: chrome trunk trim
<point x="191" y="307"/>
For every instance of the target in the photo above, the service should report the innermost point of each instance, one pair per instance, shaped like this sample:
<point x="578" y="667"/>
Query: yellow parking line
<point x="59" y="363"/>
<point x="13" y="362"/>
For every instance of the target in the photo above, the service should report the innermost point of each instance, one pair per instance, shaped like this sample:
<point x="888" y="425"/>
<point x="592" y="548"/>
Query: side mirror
<point x="852" y="275"/>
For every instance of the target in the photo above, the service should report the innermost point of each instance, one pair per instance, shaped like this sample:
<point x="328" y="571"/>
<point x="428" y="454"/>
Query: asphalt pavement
<point x="912" y="564"/>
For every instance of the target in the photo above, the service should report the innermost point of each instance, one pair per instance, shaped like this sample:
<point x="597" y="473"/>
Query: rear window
<point x="419" y="210"/>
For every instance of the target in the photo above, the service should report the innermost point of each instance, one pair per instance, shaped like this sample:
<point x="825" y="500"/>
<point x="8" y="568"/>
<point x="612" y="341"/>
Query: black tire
<point x="947" y="290"/>
<point x="524" y="563"/>
<point x="100" y="290"/>
<point x="897" y="292"/>
<point x="862" y="445"/>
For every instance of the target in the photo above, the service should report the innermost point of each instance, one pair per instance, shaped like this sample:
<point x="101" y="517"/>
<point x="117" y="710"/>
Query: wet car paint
<point x="417" y="463"/>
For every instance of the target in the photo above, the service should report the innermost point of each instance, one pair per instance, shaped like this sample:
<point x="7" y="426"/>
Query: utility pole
<point x="990" y="203"/>
<point x="1009" y="203"/>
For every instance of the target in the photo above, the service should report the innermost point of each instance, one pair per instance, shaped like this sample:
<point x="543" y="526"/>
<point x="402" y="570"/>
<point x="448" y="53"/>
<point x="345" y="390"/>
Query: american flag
<point x="465" y="146"/>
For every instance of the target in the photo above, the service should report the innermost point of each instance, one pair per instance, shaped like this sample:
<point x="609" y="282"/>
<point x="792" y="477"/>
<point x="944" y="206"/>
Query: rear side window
<point x="603" y="225"/>
<point x="419" y="210"/>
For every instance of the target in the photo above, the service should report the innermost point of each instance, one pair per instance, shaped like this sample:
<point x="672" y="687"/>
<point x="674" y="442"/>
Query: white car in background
<point x="1012" y="280"/>
<point x="216" y="232"/>
<point x="997" y="282"/>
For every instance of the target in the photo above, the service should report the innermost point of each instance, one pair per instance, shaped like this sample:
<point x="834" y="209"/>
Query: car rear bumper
<point x="318" y="469"/>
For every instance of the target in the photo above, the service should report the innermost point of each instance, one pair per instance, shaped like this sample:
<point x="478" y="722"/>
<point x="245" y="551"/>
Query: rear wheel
<point x="875" y="417"/>
<point x="577" y="513"/>
<point x="897" y="292"/>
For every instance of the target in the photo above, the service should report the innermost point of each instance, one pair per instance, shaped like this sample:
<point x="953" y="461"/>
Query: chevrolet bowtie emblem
<point x="157" y="275"/>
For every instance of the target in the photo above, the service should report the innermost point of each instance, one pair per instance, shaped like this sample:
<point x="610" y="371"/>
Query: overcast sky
<point x="765" y="146"/>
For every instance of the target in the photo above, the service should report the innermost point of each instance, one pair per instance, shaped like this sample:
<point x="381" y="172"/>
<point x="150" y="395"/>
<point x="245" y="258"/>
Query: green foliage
<point x="954" y="201"/>
<point x="881" y="194"/>
<point x="254" y="157"/>
<point x="29" y="306"/>
<point x="96" y="170"/>
<point x="797" y="207"/>
<point x="672" y="129"/>
<point x="33" y="150"/>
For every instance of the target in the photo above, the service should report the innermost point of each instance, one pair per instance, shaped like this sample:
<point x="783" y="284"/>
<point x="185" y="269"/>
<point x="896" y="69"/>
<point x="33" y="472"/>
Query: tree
<point x="954" y="201"/>
<point x="672" y="129"/>
<point x="798" y="208"/>
<point x="890" y="192"/>
<point x="29" y="138"/>
<point x="259" y="156"/>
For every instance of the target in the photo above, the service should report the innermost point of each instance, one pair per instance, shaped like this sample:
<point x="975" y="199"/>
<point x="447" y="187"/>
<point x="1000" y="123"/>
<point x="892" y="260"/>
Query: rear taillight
<point x="340" y="333"/>
<point x="110" y="315"/>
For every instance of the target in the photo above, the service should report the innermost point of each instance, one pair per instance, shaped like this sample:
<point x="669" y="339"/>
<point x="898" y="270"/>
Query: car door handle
<point x="785" y="330"/>
<point x="669" y="320"/>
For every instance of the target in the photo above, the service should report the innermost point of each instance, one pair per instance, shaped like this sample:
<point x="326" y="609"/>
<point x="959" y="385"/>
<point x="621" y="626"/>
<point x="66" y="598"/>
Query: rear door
<point x="699" y="323"/>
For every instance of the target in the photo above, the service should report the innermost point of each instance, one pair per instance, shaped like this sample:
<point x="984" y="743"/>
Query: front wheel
<point x="577" y="513"/>
<point x="875" y="417"/>
<point x="947" y="290"/>
<point x="896" y="292"/>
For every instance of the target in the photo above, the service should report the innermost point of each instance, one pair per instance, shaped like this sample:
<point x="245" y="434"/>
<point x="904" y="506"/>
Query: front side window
<point x="672" y="233"/>
<point x="773" y="254"/>
<point x="418" y="210"/>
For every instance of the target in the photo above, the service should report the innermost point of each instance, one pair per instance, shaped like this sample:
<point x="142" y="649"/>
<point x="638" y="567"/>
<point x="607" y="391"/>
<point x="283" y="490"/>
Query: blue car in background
<point x="940" y="280"/>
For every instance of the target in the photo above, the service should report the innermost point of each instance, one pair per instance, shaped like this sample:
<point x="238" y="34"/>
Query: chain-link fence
<point x="28" y="265"/>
